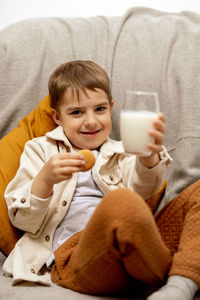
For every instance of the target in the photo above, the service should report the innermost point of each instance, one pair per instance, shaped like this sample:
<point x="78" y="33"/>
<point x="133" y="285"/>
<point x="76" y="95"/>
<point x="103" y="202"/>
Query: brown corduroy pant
<point x="123" y="242"/>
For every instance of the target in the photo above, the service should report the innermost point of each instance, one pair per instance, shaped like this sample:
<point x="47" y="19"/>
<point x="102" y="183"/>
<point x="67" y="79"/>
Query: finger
<point x="159" y="125"/>
<point x="61" y="160"/>
<point x="154" y="147"/>
<point x="67" y="159"/>
<point x="157" y="136"/>
<point x="63" y="156"/>
<point x="161" y="117"/>
<point x="63" y="177"/>
<point x="68" y="171"/>
<point x="72" y="163"/>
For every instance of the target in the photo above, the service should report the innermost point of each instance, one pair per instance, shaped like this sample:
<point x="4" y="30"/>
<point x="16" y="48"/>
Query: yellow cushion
<point x="155" y="199"/>
<point x="37" y="123"/>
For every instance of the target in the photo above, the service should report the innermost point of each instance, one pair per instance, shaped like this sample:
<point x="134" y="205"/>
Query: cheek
<point x="70" y="128"/>
<point x="108" y="126"/>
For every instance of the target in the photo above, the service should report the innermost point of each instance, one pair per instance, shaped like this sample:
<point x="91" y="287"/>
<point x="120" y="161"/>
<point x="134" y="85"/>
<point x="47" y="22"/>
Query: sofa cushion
<point x="35" y="124"/>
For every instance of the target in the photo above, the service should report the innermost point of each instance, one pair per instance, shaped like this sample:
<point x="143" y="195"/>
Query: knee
<point x="128" y="212"/>
<point x="124" y="196"/>
<point x="126" y="203"/>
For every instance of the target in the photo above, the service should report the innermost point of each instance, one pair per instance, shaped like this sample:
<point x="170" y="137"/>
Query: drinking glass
<point x="139" y="109"/>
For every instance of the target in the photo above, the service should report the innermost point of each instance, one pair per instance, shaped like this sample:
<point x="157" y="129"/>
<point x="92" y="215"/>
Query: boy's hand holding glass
<point x="157" y="133"/>
<point x="142" y="126"/>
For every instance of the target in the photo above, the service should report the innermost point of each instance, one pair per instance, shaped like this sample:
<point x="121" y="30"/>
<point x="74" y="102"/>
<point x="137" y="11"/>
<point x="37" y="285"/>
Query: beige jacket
<point x="40" y="217"/>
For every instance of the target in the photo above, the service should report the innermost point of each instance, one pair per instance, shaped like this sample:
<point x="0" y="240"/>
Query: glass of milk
<point x="136" y="119"/>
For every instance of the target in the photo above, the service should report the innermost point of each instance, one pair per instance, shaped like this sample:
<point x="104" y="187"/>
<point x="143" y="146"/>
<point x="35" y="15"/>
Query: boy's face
<point x="86" y="121"/>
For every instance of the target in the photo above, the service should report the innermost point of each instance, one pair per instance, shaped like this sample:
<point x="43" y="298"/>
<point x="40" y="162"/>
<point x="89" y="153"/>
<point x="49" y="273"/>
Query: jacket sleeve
<point x="26" y="211"/>
<point x="145" y="181"/>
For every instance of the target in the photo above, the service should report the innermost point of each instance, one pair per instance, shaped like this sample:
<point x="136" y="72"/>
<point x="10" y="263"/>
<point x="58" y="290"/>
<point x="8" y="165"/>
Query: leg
<point x="179" y="224"/>
<point x="120" y="242"/>
<point x="186" y="261"/>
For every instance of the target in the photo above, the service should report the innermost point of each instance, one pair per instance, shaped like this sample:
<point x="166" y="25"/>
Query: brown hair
<point x="77" y="74"/>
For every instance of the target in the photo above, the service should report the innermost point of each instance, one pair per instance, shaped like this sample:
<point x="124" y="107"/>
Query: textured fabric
<point x="179" y="224"/>
<point x="186" y="261"/>
<point x="122" y="238"/>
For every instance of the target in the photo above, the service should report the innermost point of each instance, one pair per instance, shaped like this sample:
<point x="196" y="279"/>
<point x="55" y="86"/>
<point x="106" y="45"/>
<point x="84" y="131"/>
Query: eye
<point x="76" y="112"/>
<point x="101" y="108"/>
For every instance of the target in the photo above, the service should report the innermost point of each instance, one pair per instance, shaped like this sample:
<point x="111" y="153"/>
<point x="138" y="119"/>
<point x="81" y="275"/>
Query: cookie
<point x="89" y="159"/>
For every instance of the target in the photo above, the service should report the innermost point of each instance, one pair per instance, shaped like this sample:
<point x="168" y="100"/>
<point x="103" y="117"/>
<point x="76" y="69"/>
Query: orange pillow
<point x="37" y="123"/>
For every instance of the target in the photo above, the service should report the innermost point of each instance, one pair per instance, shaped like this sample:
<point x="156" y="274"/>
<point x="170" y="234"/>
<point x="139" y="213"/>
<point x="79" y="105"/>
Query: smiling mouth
<point x="90" y="133"/>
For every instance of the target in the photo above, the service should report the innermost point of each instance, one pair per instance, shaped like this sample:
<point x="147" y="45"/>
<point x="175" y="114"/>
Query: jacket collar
<point x="59" y="135"/>
<point x="109" y="148"/>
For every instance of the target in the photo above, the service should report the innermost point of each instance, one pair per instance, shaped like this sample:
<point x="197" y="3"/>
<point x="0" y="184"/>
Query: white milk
<point x="134" y="127"/>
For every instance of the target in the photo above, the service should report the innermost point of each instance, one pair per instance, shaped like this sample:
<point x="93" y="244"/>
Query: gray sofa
<point x="144" y="49"/>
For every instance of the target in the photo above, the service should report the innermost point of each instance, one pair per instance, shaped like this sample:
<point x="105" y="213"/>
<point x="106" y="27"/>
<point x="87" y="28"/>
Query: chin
<point x="91" y="147"/>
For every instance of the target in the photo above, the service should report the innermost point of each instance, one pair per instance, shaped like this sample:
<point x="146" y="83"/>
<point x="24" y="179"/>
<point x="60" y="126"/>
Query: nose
<point x="90" y="120"/>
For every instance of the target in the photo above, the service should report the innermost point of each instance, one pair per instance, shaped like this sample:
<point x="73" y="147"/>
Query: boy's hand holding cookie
<point x="58" y="168"/>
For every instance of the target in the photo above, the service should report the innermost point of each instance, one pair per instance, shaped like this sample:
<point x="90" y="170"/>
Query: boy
<point x="97" y="223"/>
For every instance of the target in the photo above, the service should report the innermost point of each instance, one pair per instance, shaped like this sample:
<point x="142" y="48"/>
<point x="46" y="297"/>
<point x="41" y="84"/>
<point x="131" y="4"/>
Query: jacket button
<point x="64" y="203"/>
<point x="33" y="271"/>
<point x="111" y="178"/>
<point x="23" y="200"/>
<point x="47" y="238"/>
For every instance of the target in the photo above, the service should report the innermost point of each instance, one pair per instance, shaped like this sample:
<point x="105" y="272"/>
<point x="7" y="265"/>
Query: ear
<point x="56" y="116"/>
<point x="111" y="105"/>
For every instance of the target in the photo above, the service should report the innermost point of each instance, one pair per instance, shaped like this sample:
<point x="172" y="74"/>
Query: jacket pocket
<point x="113" y="178"/>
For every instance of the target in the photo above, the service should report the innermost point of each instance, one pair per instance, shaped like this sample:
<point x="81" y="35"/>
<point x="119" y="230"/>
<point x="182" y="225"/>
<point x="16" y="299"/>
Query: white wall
<point x="15" y="10"/>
